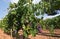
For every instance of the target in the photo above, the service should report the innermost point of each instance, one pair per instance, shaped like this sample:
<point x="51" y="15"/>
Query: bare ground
<point x="3" y="35"/>
<point x="44" y="35"/>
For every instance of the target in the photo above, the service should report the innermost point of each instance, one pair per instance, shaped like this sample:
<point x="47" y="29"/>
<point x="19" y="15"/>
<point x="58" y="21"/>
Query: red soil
<point x="5" y="36"/>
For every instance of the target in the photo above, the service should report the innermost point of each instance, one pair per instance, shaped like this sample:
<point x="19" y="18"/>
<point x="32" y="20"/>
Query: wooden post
<point x="11" y="33"/>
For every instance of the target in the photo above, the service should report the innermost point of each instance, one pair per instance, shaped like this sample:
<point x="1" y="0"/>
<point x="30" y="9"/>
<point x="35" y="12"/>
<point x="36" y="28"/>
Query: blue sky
<point x="4" y="4"/>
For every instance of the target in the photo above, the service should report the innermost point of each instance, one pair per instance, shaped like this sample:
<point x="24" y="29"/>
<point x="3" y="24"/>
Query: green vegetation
<point x="21" y="16"/>
<point x="55" y="22"/>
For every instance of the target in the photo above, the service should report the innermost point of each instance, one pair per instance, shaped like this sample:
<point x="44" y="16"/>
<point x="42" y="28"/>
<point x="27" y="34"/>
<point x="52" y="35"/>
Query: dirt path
<point x="46" y="35"/>
<point x="5" y="36"/>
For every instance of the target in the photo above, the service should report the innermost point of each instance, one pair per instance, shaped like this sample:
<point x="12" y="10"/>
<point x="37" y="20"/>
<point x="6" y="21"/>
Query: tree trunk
<point x="11" y="33"/>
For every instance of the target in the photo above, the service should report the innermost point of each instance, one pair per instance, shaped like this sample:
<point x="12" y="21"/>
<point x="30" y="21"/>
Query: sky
<point x="46" y="16"/>
<point x="4" y="4"/>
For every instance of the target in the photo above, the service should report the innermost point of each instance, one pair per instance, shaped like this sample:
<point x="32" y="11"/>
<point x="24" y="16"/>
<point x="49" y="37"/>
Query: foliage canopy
<point x="22" y="16"/>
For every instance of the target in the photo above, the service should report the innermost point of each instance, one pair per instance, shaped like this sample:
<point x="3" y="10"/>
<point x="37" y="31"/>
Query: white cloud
<point x="45" y="16"/>
<point x="36" y="1"/>
<point x="0" y="19"/>
<point x="14" y="1"/>
<point x="50" y="17"/>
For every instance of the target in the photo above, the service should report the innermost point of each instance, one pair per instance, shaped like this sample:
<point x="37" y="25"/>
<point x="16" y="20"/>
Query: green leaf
<point x="25" y="34"/>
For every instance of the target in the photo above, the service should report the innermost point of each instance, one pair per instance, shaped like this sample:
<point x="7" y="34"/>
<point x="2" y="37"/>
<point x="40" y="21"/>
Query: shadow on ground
<point x="44" y="35"/>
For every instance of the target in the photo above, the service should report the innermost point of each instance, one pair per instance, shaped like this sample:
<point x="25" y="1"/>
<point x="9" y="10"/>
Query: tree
<point x="21" y="15"/>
